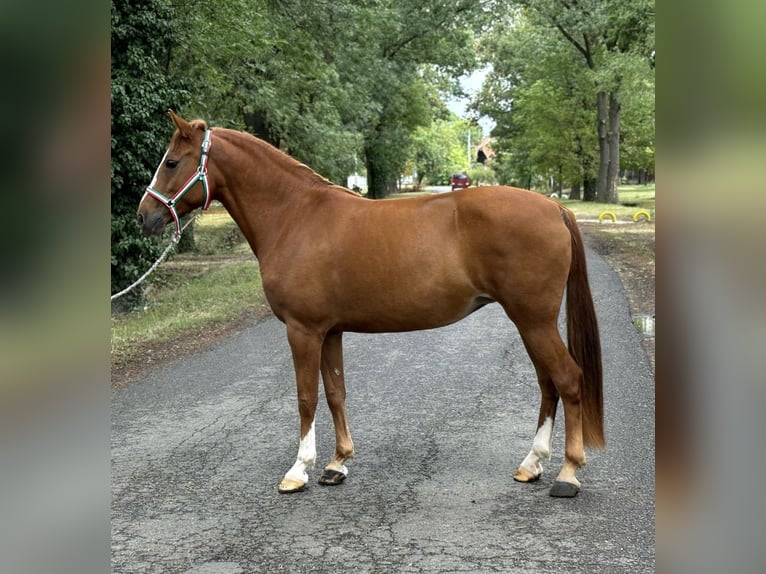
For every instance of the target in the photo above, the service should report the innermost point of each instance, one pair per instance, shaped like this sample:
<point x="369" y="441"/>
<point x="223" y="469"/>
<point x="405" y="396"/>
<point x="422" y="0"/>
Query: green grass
<point x="641" y="195"/>
<point x="218" y="284"/>
<point x="633" y="198"/>
<point x="195" y="302"/>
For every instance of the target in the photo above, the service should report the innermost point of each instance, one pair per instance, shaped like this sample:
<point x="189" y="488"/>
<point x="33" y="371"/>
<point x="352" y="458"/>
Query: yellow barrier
<point x="605" y="214"/>
<point x="642" y="213"/>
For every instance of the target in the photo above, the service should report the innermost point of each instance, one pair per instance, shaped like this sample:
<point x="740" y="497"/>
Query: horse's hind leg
<point x="531" y="467"/>
<point x="335" y="391"/>
<point x="557" y="369"/>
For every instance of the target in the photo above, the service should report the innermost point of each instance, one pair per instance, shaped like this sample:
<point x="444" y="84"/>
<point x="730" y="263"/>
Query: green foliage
<point x="482" y="174"/>
<point x="417" y="44"/>
<point x="327" y="81"/>
<point x="324" y="80"/>
<point x="194" y="291"/>
<point x="141" y="93"/>
<point x="549" y="59"/>
<point x="439" y="150"/>
<point x="637" y="134"/>
<point x="538" y="94"/>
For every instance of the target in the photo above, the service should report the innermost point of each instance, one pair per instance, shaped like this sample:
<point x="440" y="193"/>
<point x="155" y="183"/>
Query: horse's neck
<point x="264" y="189"/>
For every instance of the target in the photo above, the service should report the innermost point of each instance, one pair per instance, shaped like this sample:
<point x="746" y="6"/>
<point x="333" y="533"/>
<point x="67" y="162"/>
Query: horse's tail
<point x="583" y="339"/>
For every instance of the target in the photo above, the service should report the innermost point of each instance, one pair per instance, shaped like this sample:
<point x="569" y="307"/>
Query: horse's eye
<point x="171" y="163"/>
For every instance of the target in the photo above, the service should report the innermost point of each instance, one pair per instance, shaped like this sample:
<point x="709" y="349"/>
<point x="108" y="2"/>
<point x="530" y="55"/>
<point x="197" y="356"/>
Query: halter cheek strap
<point x="199" y="175"/>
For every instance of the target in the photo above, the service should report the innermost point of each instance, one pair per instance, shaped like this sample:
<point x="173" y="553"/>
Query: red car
<point x="460" y="181"/>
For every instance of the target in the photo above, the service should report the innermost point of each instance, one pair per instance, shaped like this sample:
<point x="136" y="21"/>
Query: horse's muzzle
<point x="151" y="224"/>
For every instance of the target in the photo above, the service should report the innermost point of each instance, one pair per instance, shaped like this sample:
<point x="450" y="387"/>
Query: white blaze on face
<point x="541" y="448"/>
<point x="157" y="172"/>
<point x="307" y="455"/>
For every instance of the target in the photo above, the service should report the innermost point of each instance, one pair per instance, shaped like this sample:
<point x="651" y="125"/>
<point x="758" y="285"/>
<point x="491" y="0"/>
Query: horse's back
<point x="516" y="210"/>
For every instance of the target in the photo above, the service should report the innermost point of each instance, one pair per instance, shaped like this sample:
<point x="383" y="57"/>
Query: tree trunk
<point x="602" y="118"/>
<point x="589" y="189"/>
<point x="608" y="114"/>
<point x="614" y="149"/>
<point x="375" y="187"/>
<point x="574" y="193"/>
<point x="380" y="181"/>
<point x="378" y="186"/>
<point x="256" y="124"/>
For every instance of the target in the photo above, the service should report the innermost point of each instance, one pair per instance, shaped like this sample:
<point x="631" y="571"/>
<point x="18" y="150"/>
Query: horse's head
<point x="180" y="183"/>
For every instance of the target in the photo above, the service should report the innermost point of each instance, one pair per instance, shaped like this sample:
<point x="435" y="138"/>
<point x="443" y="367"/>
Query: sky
<point x="471" y="85"/>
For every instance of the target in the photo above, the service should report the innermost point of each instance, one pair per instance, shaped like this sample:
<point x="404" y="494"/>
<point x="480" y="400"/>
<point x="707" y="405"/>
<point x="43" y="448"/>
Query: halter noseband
<point x="199" y="175"/>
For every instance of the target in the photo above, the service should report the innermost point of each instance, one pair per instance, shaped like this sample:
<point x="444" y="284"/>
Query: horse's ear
<point x="198" y="125"/>
<point x="183" y="126"/>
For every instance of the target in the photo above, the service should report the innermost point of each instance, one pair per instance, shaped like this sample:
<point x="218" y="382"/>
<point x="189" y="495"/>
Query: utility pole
<point x="468" y="147"/>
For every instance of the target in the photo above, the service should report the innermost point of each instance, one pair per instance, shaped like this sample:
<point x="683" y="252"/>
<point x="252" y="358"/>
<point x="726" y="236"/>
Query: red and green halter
<point x="199" y="175"/>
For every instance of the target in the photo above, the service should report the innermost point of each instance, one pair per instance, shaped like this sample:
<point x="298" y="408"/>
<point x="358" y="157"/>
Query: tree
<point x="536" y="94"/>
<point x="280" y="69"/>
<point x="420" y="43"/>
<point x="637" y="131"/>
<point x="324" y="80"/>
<point x="142" y="32"/>
<point x="439" y="149"/>
<point x="561" y="69"/>
<point x="387" y="145"/>
<point x="606" y="33"/>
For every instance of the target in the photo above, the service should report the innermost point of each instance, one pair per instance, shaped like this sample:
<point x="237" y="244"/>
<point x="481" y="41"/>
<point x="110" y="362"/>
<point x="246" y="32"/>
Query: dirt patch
<point x="629" y="250"/>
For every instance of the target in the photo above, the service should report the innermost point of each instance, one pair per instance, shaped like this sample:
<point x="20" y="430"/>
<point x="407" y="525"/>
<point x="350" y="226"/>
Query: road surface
<point x="440" y="420"/>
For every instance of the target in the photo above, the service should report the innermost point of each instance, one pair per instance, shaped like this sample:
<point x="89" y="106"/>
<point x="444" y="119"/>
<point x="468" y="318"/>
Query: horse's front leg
<point x="335" y="390"/>
<point x="306" y="349"/>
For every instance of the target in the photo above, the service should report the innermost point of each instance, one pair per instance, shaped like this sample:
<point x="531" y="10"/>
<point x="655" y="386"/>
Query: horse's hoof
<point x="523" y="475"/>
<point x="561" y="489"/>
<point x="331" y="477"/>
<point x="291" y="485"/>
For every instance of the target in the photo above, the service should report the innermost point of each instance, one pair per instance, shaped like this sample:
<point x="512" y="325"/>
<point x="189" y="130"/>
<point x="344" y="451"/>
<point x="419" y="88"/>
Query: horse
<point x="323" y="250"/>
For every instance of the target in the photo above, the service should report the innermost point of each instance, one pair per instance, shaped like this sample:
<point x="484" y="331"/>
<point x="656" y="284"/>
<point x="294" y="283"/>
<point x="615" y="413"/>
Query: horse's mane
<point x="292" y="164"/>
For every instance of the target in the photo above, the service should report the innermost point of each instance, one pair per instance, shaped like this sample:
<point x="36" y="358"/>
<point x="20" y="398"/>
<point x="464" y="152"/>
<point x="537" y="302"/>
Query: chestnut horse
<point x="434" y="260"/>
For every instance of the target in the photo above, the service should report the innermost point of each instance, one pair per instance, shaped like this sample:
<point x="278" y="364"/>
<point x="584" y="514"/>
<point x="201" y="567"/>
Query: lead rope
<point x="173" y="242"/>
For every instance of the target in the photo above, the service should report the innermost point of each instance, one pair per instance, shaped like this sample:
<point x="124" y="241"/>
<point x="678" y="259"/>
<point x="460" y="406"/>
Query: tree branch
<point x="584" y="50"/>
<point x="437" y="21"/>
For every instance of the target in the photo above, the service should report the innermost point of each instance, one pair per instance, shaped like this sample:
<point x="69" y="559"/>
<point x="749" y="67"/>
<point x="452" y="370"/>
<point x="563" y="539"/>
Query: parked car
<point x="460" y="181"/>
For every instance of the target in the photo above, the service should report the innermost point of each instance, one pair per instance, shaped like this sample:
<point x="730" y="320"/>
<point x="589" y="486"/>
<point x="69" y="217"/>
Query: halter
<point x="199" y="175"/>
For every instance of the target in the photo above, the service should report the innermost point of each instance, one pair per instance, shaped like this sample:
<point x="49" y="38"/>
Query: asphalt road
<point x="440" y="420"/>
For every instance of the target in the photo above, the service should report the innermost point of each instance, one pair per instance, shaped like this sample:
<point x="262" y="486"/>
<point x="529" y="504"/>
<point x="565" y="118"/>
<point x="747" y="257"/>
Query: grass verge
<point x="190" y="300"/>
<point x="633" y="198"/>
<point x="202" y="297"/>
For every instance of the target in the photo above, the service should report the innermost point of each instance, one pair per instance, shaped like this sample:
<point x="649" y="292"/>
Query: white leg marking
<point x="541" y="448"/>
<point x="307" y="455"/>
<point x="339" y="467"/>
<point x="542" y="443"/>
